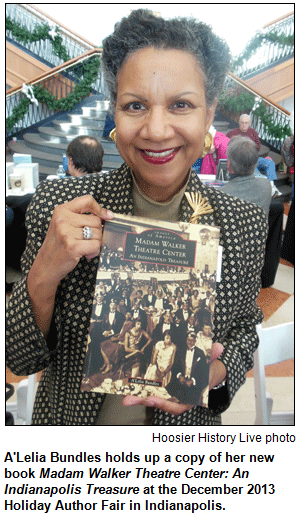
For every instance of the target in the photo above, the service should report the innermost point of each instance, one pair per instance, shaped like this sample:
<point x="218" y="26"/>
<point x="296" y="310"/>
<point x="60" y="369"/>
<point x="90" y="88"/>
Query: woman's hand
<point x="64" y="244"/>
<point x="61" y="251"/>
<point x="217" y="375"/>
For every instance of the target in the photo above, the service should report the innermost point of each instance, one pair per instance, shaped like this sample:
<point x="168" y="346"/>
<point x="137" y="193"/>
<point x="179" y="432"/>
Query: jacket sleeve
<point x="27" y="351"/>
<point x="240" y="339"/>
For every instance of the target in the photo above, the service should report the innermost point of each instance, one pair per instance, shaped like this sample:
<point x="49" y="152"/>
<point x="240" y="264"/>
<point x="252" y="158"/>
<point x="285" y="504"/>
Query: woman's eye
<point x="134" y="106"/>
<point x="181" y="104"/>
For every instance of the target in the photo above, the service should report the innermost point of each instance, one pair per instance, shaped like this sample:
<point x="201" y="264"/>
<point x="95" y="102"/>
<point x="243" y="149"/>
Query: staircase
<point x="46" y="141"/>
<point x="49" y="142"/>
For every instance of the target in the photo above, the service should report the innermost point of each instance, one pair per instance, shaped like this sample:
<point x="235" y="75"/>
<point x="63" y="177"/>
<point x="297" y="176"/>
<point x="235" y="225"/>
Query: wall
<point x="277" y="82"/>
<point x="21" y="67"/>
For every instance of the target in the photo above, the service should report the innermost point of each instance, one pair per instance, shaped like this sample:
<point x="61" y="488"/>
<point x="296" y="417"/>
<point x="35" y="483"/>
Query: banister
<point x="256" y="92"/>
<point x="278" y="20"/>
<point x="57" y="69"/>
<point x="60" y="25"/>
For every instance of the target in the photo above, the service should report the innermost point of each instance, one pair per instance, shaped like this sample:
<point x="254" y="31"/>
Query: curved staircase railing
<point x="29" y="17"/>
<point x="58" y="83"/>
<point x="273" y="45"/>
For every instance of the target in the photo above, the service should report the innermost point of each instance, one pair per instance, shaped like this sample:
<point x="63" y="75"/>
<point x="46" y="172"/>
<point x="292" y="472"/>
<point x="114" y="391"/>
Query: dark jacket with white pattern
<point x="59" y="400"/>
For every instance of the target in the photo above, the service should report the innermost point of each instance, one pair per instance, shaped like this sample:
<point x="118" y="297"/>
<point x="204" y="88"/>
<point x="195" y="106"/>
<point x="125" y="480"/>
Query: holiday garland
<point x="40" y="32"/>
<point x="273" y="129"/>
<point x="259" y="39"/>
<point x="81" y="90"/>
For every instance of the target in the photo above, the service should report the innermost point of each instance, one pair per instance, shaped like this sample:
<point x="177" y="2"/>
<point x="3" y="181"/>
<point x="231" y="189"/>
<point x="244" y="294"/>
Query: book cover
<point x="152" y="317"/>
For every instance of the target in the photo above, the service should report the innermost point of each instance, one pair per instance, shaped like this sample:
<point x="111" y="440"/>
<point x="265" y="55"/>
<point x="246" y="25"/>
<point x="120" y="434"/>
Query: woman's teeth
<point x="154" y="154"/>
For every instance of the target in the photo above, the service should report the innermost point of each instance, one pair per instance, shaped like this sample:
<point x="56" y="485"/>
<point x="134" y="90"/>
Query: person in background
<point x="85" y="156"/>
<point x="288" y="156"/>
<point x="217" y="148"/>
<point x="242" y="157"/>
<point x="244" y="129"/>
<point x="109" y="126"/>
<point x="266" y="167"/>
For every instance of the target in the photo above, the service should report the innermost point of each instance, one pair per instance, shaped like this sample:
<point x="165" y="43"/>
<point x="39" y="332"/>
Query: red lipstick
<point x="159" y="157"/>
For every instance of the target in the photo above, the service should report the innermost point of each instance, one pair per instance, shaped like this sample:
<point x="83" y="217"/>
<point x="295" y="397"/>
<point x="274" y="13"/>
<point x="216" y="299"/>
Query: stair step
<point x="283" y="177"/>
<point x="264" y="151"/>
<point x="103" y="105"/>
<point x="43" y="158"/>
<point x="275" y="157"/>
<point x="285" y="191"/>
<point x="81" y="119"/>
<point x="75" y="130"/>
<point x="220" y="123"/>
<point x="282" y="180"/>
<point x="93" y="111"/>
<point x="79" y="129"/>
<point x="88" y="122"/>
<point x="55" y="136"/>
<point x="36" y="141"/>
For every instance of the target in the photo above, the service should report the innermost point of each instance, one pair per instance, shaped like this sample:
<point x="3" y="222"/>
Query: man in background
<point x="244" y="129"/>
<point x="85" y="156"/>
<point x="242" y="158"/>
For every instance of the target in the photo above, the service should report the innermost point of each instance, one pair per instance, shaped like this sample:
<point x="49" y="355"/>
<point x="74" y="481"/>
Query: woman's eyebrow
<point x="135" y="95"/>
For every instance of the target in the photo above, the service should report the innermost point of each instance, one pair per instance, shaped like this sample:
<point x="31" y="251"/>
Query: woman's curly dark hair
<point x="142" y="29"/>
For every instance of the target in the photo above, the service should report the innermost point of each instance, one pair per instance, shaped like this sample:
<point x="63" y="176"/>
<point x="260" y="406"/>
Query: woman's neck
<point x="158" y="193"/>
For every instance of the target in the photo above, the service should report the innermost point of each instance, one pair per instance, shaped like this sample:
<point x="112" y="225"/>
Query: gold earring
<point x="207" y="144"/>
<point x="112" y="135"/>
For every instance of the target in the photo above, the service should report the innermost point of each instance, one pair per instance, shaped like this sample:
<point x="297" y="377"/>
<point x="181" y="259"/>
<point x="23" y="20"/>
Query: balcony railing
<point x="269" y="52"/>
<point x="272" y="127"/>
<point x="60" y="82"/>
<point x="29" y="17"/>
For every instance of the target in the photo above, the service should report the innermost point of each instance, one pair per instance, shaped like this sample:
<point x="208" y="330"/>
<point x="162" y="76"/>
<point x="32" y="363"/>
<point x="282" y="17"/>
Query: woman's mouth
<point x="159" y="157"/>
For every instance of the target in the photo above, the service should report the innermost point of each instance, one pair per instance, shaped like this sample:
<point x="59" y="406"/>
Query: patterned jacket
<point x="59" y="400"/>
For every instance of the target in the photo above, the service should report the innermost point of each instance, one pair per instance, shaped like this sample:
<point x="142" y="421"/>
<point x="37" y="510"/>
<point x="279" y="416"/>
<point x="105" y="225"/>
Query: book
<point x="21" y="158"/>
<point x="151" y="325"/>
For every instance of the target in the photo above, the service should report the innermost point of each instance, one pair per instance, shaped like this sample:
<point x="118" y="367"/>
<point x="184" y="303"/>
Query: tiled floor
<point x="279" y="379"/>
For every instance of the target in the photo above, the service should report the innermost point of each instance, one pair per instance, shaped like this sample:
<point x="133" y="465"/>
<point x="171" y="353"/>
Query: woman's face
<point x="137" y="325"/>
<point x="167" y="340"/>
<point x="161" y="118"/>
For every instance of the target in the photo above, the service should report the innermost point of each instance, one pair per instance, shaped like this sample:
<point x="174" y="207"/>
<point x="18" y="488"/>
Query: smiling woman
<point x="161" y="118"/>
<point x="164" y="77"/>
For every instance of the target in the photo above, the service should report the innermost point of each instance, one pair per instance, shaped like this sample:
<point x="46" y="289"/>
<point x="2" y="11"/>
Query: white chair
<point x="25" y="399"/>
<point x="276" y="345"/>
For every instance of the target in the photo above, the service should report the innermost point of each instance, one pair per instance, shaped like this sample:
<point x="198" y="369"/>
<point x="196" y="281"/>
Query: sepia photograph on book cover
<point x="151" y="326"/>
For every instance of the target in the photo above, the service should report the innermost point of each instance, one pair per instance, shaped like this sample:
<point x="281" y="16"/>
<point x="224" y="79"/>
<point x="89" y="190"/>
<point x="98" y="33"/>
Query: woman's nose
<point x="157" y="125"/>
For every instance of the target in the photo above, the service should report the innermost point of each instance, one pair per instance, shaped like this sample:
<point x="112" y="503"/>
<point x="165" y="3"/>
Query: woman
<point x="112" y="348"/>
<point x="132" y="347"/>
<point x="195" y="301"/>
<point x="164" y="77"/>
<point x="162" y="360"/>
<point x="218" y="146"/>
